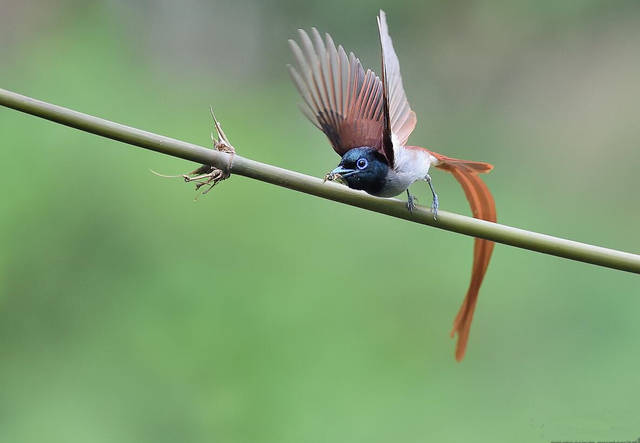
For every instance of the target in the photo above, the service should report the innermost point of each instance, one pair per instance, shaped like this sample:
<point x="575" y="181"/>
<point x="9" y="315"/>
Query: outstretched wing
<point x="401" y="118"/>
<point x="340" y="98"/>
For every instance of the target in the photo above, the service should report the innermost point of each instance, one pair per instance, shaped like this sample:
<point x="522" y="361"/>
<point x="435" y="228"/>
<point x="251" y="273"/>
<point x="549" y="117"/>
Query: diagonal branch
<point x="311" y="185"/>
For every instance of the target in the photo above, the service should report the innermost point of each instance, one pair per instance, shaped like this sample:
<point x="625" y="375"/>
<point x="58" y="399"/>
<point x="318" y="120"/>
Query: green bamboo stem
<point x="312" y="185"/>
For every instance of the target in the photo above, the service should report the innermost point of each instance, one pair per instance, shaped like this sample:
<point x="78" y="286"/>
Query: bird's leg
<point x="411" y="201"/>
<point x="436" y="202"/>
<point x="207" y="175"/>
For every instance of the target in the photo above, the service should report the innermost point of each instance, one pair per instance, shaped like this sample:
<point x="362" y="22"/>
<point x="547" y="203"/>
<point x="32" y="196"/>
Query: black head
<point x="364" y="169"/>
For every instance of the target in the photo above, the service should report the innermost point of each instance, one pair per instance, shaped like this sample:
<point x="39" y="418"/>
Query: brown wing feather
<point x="483" y="207"/>
<point x="402" y="119"/>
<point x="387" y="140"/>
<point x="339" y="96"/>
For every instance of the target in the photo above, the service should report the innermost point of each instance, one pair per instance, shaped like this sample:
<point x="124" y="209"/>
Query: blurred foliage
<point x="130" y="313"/>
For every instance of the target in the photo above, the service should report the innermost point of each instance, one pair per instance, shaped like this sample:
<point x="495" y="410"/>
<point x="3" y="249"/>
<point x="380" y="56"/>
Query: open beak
<point x="339" y="173"/>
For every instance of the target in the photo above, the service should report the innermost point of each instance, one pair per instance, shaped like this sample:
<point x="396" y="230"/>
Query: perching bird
<point x="368" y="122"/>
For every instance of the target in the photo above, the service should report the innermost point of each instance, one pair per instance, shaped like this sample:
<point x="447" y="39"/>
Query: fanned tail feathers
<point x="483" y="207"/>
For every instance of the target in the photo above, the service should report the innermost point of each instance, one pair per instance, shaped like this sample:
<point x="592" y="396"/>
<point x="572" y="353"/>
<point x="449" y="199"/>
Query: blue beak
<point x="343" y="172"/>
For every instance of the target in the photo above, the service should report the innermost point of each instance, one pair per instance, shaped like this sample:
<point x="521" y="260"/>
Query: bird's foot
<point x="411" y="202"/>
<point x="435" y="203"/>
<point x="434" y="206"/>
<point x="206" y="175"/>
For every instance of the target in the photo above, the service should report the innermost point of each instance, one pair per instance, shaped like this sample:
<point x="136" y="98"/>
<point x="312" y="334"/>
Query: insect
<point x="368" y="121"/>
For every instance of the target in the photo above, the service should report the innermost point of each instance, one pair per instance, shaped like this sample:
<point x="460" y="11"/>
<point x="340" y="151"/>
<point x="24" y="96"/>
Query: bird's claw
<point x="411" y="202"/>
<point x="436" y="203"/>
<point x="434" y="206"/>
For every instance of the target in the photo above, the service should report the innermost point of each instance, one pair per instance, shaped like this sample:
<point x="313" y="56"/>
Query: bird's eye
<point x="362" y="163"/>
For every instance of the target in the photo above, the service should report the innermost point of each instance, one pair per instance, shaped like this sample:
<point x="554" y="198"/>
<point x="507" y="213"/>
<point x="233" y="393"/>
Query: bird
<point x="368" y="121"/>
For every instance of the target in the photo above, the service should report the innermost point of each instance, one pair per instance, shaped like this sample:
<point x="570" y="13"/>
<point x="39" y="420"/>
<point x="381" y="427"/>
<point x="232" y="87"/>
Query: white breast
<point x="410" y="165"/>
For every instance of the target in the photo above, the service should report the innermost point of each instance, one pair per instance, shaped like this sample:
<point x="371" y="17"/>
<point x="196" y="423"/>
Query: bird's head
<point x="362" y="168"/>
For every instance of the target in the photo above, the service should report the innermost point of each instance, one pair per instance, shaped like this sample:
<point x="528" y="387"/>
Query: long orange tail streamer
<point x="482" y="207"/>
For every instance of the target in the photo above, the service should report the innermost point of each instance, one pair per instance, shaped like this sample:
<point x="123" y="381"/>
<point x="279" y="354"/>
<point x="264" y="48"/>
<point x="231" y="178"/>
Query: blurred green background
<point x="130" y="313"/>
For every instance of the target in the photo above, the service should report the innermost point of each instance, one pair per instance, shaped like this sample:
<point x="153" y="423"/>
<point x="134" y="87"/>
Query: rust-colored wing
<point x="402" y="119"/>
<point x="340" y="98"/>
<point x="482" y="207"/>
